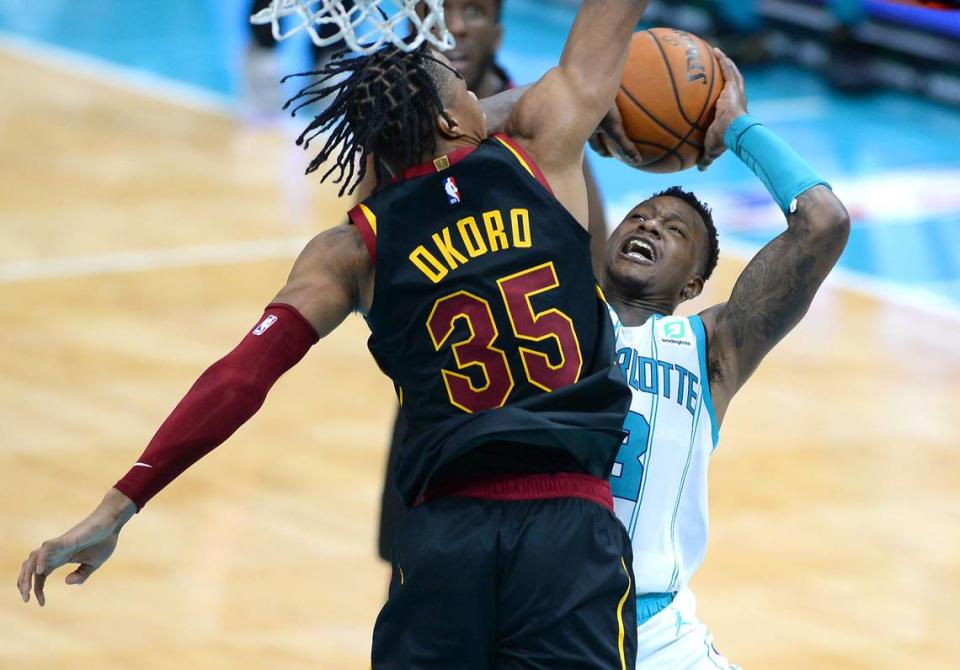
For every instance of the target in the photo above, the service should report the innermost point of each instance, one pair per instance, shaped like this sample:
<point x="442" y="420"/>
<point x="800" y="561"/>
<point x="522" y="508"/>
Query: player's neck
<point x="634" y="311"/>
<point x="444" y="148"/>
<point x="448" y="146"/>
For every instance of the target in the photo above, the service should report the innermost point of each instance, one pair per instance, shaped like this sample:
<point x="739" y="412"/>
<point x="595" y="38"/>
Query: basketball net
<point x="364" y="25"/>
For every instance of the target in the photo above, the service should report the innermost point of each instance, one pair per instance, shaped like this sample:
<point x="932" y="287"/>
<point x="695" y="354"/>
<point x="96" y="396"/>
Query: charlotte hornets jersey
<point x="487" y="317"/>
<point x="659" y="480"/>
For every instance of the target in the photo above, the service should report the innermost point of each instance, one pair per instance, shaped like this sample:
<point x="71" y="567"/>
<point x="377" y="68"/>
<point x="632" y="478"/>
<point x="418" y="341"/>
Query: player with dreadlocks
<point x="386" y="107"/>
<point x="471" y="267"/>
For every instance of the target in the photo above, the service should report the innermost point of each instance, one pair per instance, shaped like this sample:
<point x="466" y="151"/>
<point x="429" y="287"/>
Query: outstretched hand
<point x="731" y="105"/>
<point x="90" y="543"/>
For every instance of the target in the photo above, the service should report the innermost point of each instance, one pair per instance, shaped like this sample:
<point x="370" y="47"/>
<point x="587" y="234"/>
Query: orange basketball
<point x="667" y="98"/>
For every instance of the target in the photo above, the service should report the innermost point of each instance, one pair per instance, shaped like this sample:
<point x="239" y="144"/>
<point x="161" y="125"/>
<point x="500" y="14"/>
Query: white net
<point x="364" y="25"/>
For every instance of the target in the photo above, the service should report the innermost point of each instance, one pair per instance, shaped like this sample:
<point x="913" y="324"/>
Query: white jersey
<point x="660" y="478"/>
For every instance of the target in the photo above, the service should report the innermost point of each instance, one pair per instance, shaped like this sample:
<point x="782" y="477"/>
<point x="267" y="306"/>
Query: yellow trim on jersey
<point x="600" y="294"/>
<point x="526" y="166"/>
<point x="623" y="600"/>
<point x="401" y="397"/>
<point x="371" y="217"/>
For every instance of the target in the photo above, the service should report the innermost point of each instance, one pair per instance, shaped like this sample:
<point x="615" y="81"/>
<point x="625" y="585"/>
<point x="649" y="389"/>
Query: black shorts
<point x="498" y="584"/>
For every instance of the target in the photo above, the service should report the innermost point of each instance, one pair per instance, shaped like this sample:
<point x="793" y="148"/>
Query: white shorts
<point x="674" y="639"/>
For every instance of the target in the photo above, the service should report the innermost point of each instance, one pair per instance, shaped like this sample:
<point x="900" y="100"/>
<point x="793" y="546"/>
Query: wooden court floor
<point x="139" y="239"/>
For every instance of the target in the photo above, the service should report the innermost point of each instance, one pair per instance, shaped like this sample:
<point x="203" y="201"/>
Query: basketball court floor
<point x="145" y="222"/>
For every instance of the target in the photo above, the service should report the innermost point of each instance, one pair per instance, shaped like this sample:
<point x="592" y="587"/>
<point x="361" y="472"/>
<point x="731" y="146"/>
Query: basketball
<point x="667" y="97"/>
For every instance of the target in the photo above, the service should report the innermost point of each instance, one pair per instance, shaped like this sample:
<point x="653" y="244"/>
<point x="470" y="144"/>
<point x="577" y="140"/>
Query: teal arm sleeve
<point x="785" y="174"/>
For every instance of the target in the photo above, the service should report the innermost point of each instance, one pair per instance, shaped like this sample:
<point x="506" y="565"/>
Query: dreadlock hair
<point x="385" y="105"/>
<point x="713" y="241"/>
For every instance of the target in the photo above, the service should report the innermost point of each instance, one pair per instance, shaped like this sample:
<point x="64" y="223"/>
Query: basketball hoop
<point x="364" y="25"/>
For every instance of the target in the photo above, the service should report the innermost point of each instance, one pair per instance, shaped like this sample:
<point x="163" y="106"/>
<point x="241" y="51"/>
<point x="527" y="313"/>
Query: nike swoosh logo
<point x="141" y="465"/>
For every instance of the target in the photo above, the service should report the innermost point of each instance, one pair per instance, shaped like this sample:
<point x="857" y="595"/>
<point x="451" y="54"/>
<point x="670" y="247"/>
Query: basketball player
<point x="469" y="268"/>
<point x="684" y="371"/>
<point x="478" y="31"/>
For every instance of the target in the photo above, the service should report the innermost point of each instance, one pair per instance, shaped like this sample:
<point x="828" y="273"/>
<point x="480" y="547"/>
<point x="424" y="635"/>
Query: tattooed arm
<point x="774" y="292"/>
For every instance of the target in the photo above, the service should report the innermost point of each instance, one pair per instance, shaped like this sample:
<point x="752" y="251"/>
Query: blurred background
<point x="152" y="201"/>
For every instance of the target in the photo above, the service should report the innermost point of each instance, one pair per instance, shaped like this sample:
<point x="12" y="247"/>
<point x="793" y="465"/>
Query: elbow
<point x="837" y="217"/>
<point x="826" y="216"/>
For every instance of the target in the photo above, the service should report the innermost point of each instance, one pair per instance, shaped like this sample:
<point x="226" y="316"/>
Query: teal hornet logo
<point x="677" y="330"/>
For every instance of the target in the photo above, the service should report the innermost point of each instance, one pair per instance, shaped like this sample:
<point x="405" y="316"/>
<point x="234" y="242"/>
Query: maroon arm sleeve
<point x="220" y="401"/>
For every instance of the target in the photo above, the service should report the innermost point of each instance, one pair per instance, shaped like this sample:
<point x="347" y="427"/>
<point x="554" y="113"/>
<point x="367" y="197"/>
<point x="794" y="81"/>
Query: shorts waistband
<point x="651" y="604"/>
<point x="529" y="487"/>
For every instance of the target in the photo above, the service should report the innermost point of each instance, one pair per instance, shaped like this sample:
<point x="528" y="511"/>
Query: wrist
<point x="742" y="122"/>
<point x="783" y="172"/>
<point x="116" y="509"/>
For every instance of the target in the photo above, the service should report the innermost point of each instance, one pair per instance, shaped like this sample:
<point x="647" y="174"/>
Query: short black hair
<point x="384" y="105"/>
<point x="713" y="240"/>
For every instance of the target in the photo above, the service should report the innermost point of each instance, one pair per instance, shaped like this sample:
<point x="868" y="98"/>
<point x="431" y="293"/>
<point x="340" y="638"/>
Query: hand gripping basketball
<point x="670" y="85"/>
<point x="731" y="105"/>
<point x="610" y="140"/>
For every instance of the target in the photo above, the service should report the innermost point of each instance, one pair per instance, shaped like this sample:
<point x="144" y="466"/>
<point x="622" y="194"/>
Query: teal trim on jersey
<point x="697" y="323"/>
<point x="650" y="605"/>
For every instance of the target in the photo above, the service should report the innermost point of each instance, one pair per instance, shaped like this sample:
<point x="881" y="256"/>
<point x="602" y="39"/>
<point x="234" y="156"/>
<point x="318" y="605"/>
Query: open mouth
<point x="639" y="251"/>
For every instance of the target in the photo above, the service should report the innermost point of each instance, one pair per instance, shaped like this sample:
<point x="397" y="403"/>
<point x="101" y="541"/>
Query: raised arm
<point x="774" y="292"/>
<point x="777" y="287"/>
<point x="332" y="277"/>
<point x="561" y="111"/>
<point x="498" y="108"/>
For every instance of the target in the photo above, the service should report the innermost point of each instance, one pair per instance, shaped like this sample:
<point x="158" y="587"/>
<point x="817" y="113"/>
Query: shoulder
<point x="336" y="256"/>
<point x="710" y="318"/>
<point x="343" y="242"/>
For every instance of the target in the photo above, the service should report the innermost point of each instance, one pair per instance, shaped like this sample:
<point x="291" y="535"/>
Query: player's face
<point x="658" y="249"/>
<point x="474" y="25"/>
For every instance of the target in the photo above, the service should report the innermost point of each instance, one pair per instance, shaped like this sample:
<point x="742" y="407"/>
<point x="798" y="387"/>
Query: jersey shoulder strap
<point x="523" y="158"/>
<point x="366" y="222"/>
<point x="614" y="318"/>
<point x="700" y="334"/>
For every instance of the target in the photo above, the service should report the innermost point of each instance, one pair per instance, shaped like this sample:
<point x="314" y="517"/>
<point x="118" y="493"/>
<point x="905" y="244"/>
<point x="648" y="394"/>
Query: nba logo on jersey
<point x="453" y="192"/>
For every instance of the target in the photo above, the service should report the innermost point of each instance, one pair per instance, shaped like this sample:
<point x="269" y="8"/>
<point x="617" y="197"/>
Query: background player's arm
<point x="561" y="111"/>
<point x="332" y="277"/>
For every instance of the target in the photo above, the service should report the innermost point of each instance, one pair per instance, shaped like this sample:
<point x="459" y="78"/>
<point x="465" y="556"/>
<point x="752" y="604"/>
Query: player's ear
<point x="448" y="126"/>
<point x="498" y="38"/>
<point x="692" y="289"/>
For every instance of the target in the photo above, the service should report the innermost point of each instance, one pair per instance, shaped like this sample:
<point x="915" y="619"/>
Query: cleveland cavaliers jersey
<point x="487" y="317"/>
<point x="659" y="481"/>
